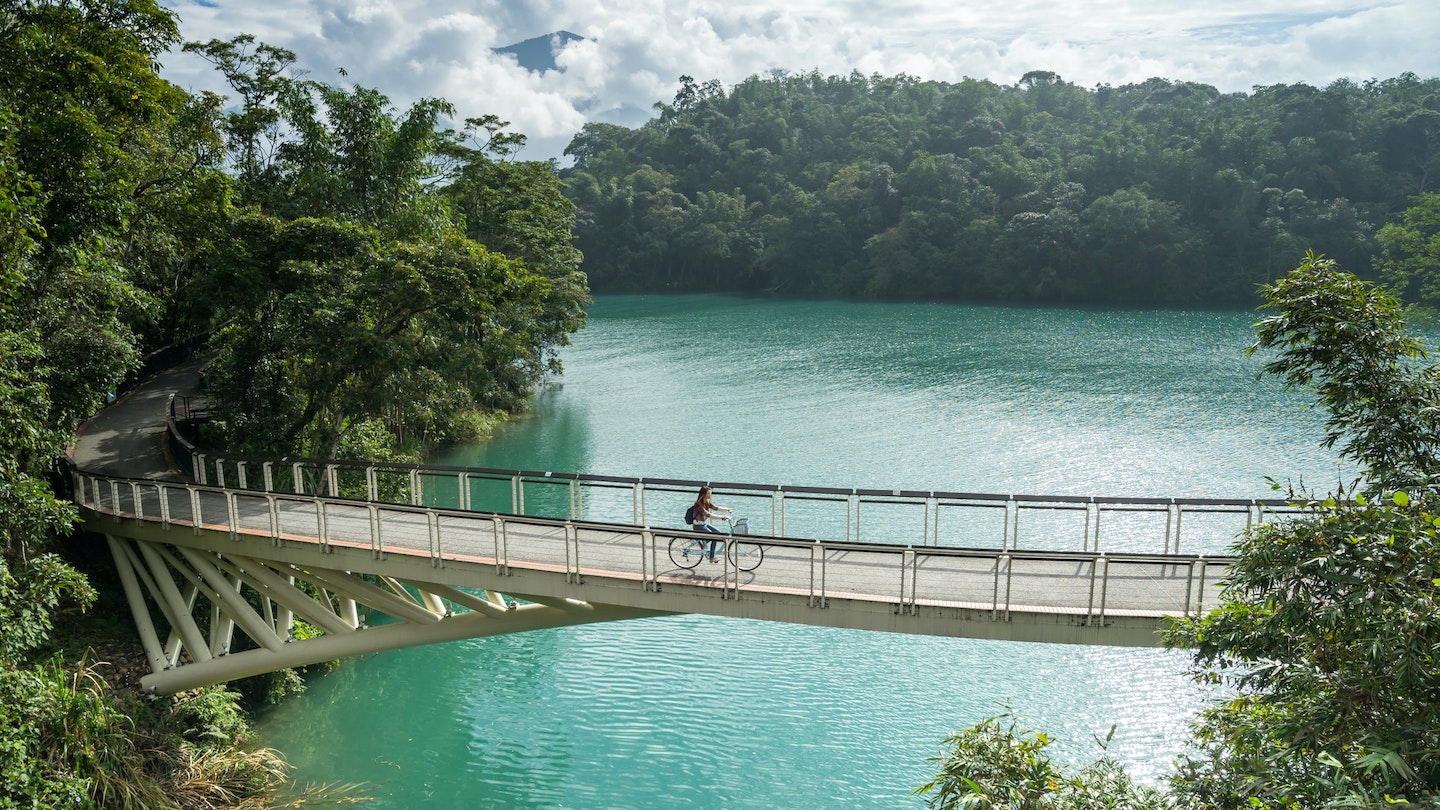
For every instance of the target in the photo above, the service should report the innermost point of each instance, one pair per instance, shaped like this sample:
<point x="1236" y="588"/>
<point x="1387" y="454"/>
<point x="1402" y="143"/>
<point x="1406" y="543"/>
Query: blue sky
<point x="636" y="49"/>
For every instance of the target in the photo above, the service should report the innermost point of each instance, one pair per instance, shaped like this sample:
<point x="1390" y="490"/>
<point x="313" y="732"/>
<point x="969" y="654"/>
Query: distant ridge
<point x="538" y="53"/>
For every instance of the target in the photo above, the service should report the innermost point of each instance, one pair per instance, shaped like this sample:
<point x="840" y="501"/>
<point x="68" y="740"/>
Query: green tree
<point x="356" y="296"/>
<point x="1328" y="633"/>
<point x="107" y="185"/>
<point x="1229" y="183"/>
<point x="999" y="764"/>
<point x="1327" y="638"/>
<point x="1330" y="641"/>
<point x="1346" y="338"/>
<point x="1409" y="257"/>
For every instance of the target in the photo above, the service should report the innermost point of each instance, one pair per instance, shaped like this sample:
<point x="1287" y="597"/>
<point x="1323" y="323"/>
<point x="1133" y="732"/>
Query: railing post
<point x="1104" y="587"/>
<point x="502" y="546"/>
<point x="464" y="491"/>
<point x="1009" y="577"/>
<point x="432" y="522"/>
<point x="115" y="499"/>
<point x="1189" y="586"/>
<point x="322" y="533"/>
<point x="332" y="479"/>
<point x="164" y="506"/>
<point x="240" y="474"/>
<point x="730" y="574"/>
<point x="1200" y="592"/>
<point x="777" y="500"/>
<point x="907" y="557"/>
<point x="219" y="472"/>
<point x="572" y="562"/>
<point x="415" y="499"/>
<point x="194" y="509"/>
<point x="267" y="475"/>
<point x="376" y="549"/>
<point x="818" y="596"/>
<point x="649" y="564"/>
<point x="1001" y="561"/>
<point x="274" y="509"/>
<point x="232" y="514"/>
<point x="1090" y="608"/>
<point x="297" y="475"/>
<point x="372" y="484"/>
<point x="1179" y="518"/>
<point x="199" y="462"/>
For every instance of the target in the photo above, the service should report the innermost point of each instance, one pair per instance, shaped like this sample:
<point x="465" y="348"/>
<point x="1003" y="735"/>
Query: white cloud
<point x="636" y="49"/>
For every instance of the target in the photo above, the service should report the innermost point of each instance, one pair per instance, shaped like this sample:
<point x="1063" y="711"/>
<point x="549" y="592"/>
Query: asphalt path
<point x="127" y="437"/>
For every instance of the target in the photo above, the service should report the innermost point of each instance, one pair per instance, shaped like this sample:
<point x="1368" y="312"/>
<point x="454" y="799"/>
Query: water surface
<point x="706" y="712"/>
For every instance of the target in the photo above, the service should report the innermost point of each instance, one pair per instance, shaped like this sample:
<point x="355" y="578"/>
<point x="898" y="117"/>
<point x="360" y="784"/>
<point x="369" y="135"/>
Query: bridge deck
<point x="1094" y="589"/>
<point x="450" y="573"/>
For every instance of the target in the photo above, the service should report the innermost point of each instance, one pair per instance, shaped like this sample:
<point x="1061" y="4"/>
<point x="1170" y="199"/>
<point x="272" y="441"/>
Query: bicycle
<point x="687" y="552"/>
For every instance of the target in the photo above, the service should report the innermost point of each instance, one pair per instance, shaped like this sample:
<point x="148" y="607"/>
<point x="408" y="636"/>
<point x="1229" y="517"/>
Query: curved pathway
<point x="127" y="437"/>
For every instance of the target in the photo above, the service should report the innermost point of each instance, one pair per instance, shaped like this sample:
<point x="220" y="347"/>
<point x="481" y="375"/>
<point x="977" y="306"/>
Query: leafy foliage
<point x="354" y="293"/>
<point x="1328" y="632"/>
<point x="1330" y="639"/>
<point x="66" y="742"/>
<point x="344" y="277"/>
<point x="1162" y="192"/>
<point x="1346" y="338"/>
<point x="1327" y="639"/>
<point x="1410" y="253"/>
<point x="998" y="764"/>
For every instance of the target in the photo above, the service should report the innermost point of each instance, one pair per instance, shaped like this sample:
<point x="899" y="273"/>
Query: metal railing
<point x="1087" y="584"/>
<point x="892" y="517"/>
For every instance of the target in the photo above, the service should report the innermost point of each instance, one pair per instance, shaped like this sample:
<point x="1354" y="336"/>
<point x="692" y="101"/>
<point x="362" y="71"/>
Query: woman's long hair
<point x="703" y="499"/>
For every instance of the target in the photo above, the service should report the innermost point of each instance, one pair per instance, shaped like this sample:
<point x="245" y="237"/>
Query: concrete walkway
<point x="127" y="438"/>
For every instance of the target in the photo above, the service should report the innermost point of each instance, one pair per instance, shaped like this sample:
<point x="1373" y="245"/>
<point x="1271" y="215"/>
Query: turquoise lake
<point x="702" y="712"/>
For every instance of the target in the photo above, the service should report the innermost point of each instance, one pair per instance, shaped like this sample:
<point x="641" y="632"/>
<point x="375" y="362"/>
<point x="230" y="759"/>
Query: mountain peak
<point x="537" y="54"/>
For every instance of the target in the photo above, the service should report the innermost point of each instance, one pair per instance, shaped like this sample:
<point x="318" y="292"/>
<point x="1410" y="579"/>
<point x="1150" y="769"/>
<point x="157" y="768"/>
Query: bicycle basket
<point x="740" y="526"/>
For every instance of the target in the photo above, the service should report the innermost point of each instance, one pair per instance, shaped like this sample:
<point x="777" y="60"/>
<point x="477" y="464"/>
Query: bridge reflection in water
<point x="449" y="553"/>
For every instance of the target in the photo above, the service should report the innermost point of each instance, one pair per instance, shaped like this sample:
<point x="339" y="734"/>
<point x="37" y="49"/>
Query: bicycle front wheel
<point x="686" y="552"/>
<point x="746" y="556"/>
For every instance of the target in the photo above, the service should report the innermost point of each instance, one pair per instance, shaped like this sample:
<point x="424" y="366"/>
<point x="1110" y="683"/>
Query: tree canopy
<point x="1327" y="638"/>
<point x="361" y="276"/>
<point x="381" y="273"/>
<point x="1163" y="192"/>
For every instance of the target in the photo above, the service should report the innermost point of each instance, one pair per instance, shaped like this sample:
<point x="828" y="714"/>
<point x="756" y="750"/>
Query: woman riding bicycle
<point x="704" y="510"/>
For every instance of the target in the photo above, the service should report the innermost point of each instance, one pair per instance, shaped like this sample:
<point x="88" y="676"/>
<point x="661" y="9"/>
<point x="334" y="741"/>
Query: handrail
<point x="454" y="485"/>
<point x="593" y="548"/>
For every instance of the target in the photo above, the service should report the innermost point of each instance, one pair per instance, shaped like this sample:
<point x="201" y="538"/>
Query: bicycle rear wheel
<point x="686" y="552"/>
<point x="746" y="556"/>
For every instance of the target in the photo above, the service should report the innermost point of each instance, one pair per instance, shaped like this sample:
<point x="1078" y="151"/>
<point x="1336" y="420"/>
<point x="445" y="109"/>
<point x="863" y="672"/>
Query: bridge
<point x="235" y="566"/>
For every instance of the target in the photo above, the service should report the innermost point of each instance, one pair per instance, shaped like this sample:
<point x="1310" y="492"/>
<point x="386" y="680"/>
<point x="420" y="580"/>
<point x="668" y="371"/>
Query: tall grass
<point x="67" y="739"/>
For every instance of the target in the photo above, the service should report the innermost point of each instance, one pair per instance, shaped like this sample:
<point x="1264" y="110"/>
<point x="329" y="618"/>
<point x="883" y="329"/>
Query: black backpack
<point x="690" y="515"/>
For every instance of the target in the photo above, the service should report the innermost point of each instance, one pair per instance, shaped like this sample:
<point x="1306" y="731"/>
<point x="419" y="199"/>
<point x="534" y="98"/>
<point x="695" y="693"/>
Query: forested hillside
<point x="1164" y="192"/>
<point x="365" y="278"/>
